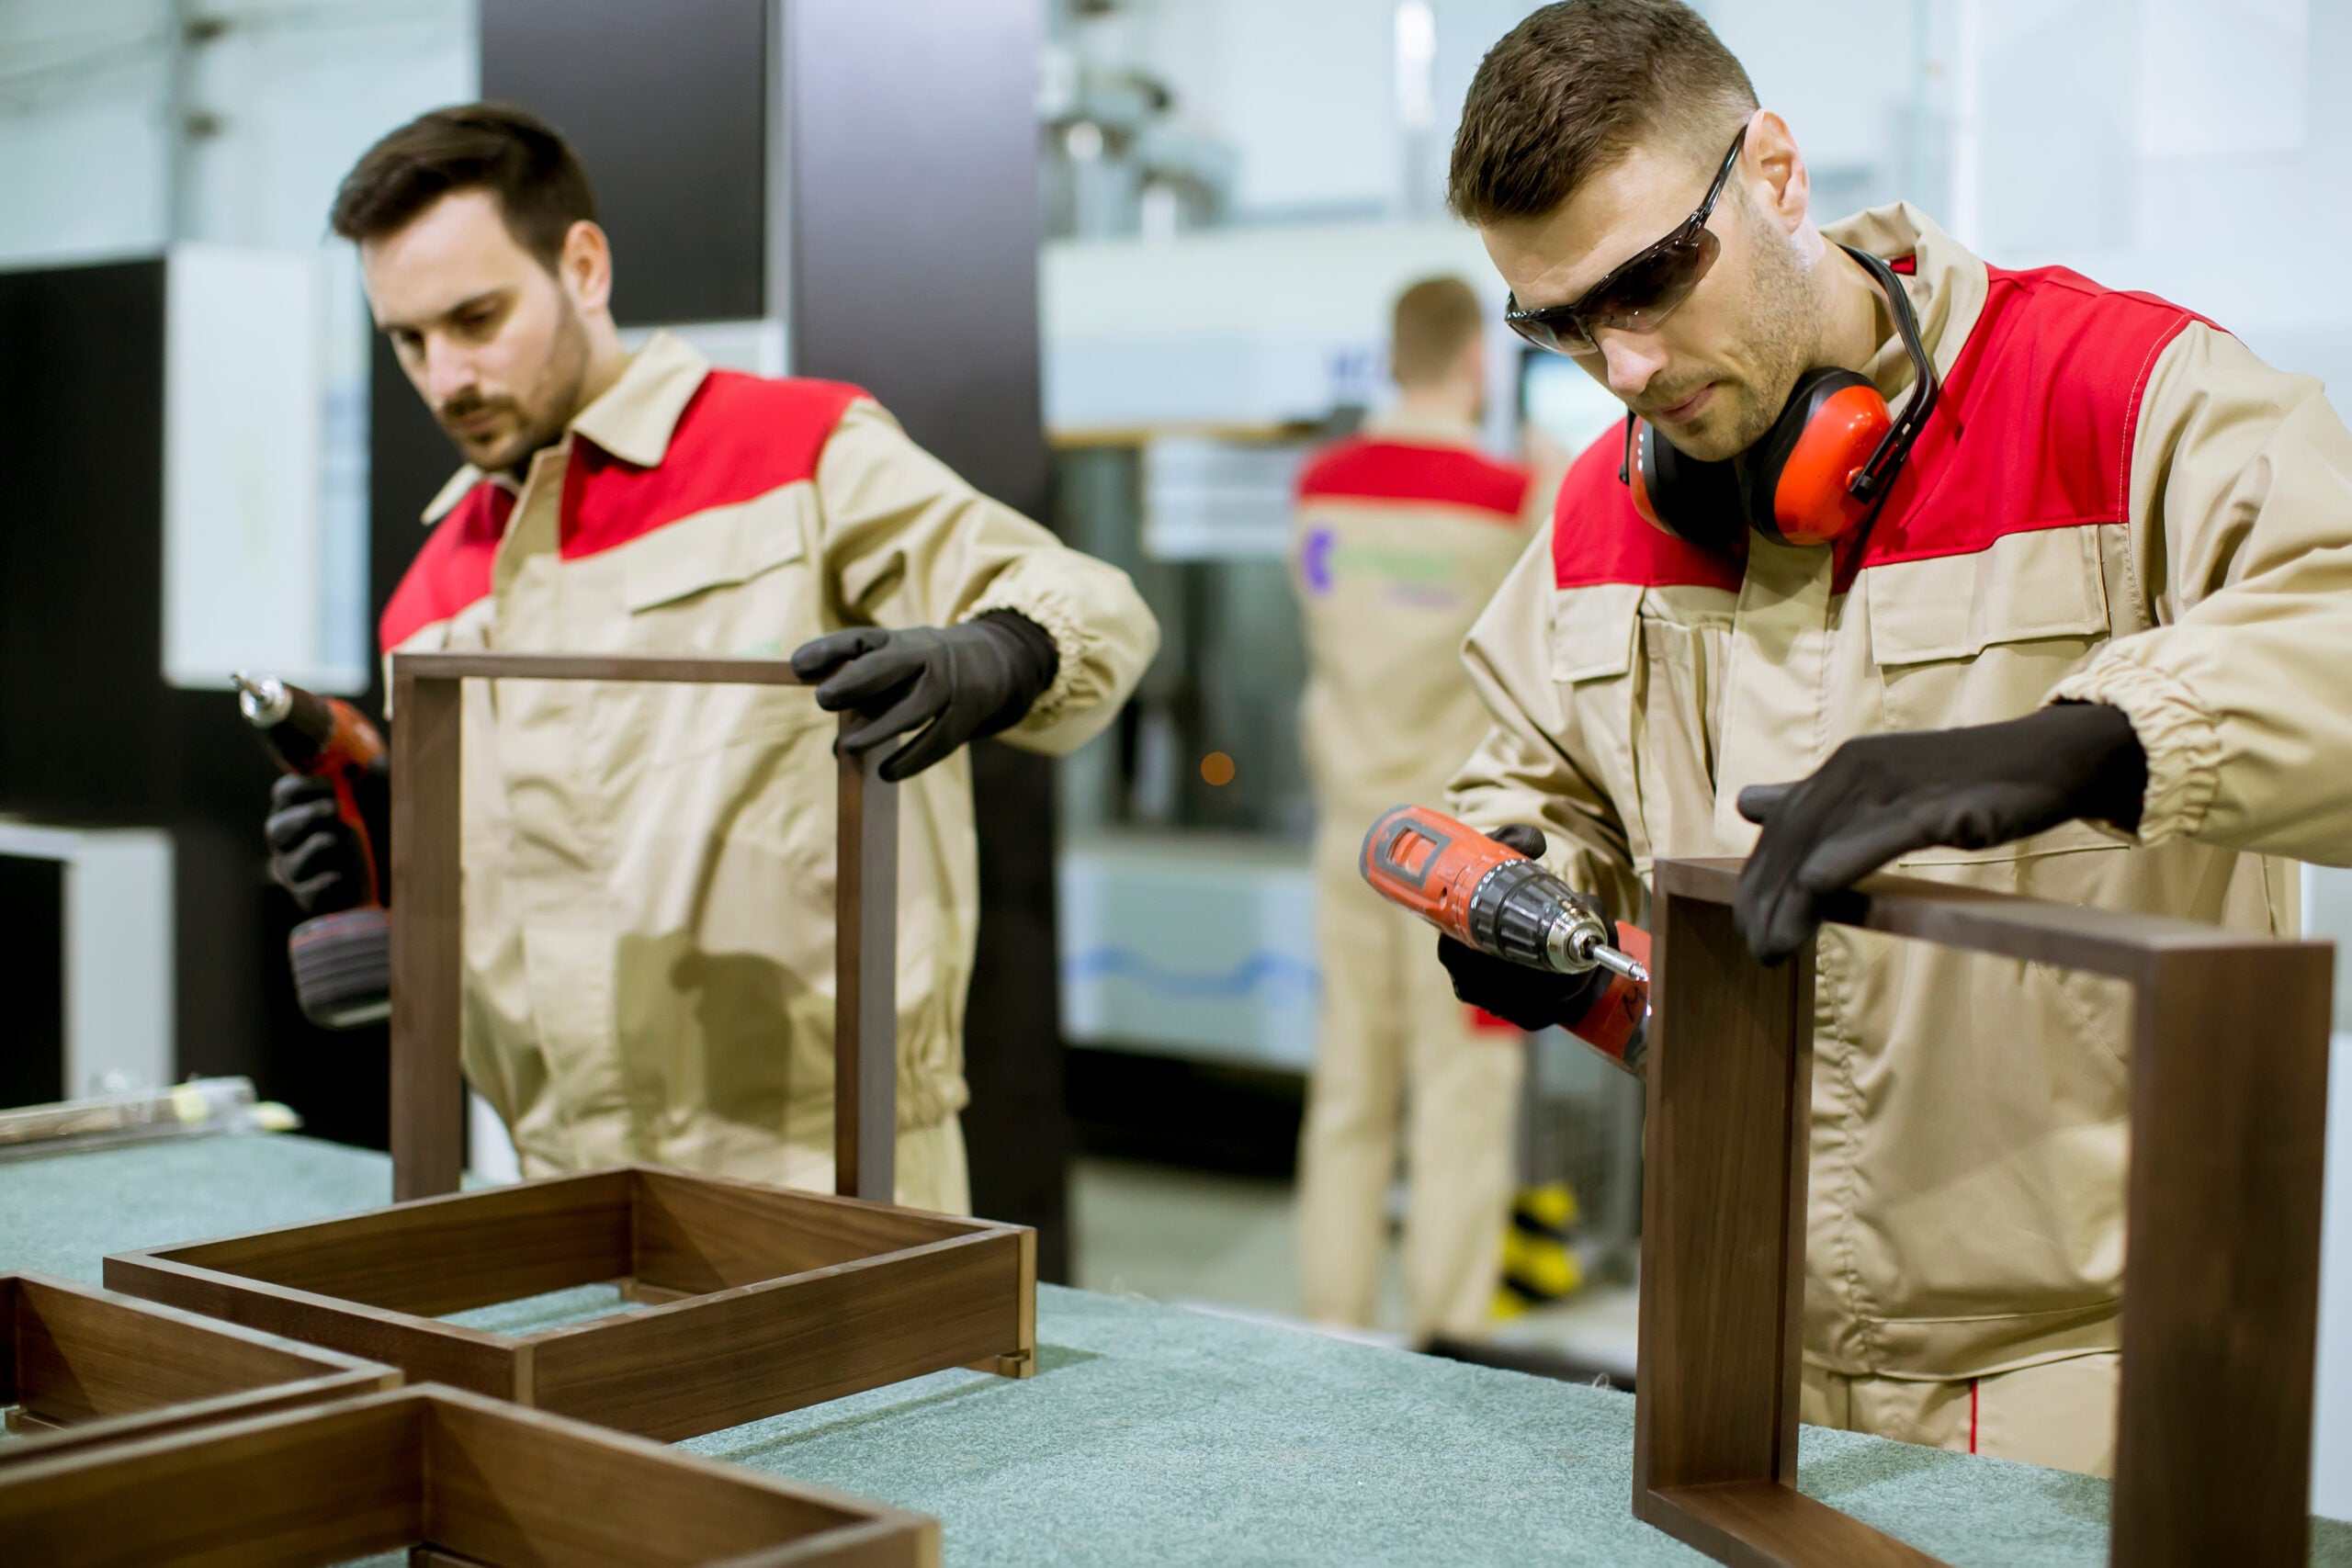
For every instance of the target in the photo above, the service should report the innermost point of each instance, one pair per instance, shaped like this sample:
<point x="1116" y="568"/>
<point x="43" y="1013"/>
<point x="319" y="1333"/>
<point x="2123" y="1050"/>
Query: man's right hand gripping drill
<point x="1521" y="994"/>
<point x="313" y="854"/>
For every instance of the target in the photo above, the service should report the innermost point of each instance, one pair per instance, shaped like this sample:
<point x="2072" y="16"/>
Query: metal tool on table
<point x="342" y="961"/>
<point x="1490" y="896"/>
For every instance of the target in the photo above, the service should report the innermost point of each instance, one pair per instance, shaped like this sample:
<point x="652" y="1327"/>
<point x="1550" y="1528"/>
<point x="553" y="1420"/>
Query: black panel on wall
<point x="667" y="104"/>
<point x="32" y="980"/>
<point x="90" y="734"/>
<point x="914" y="179"/>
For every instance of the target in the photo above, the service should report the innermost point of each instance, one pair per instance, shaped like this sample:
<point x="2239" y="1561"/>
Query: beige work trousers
<point x="2060" y="1414"/>
<point x="1391" y="1034"/>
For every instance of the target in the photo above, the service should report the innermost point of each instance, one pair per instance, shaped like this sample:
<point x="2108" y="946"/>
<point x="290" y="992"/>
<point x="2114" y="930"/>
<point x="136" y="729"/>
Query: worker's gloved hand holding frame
<point x="959" y="683"/>
<point x="1881" y="796"/>
<point x="1520" y="993"/>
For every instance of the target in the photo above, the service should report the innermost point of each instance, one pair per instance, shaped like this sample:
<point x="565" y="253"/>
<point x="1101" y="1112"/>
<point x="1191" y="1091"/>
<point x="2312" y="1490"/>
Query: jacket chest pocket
<point x="1971" y="639"/>
<point x="733" y="580"/>
<point x="1602" y="687"/>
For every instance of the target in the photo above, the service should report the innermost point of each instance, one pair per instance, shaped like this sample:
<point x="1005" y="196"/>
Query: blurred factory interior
<point x="220" y="468"/>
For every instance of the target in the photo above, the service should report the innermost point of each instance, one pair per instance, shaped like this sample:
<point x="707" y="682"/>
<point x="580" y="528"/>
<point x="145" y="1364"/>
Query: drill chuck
<point x="1516" y="912"/>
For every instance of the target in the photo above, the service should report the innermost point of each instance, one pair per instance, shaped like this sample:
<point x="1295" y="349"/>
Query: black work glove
<point x="313" y="854"/>
<point x="1519" y="993"/>
<point x="1880" y="796"/>
<point x="963" y="680"/>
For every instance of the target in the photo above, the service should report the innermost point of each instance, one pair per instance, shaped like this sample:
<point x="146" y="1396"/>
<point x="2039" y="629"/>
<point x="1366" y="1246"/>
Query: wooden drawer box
<point x="461" y="1481"/>
<point x="82" y="1366"/>
<point x="762" y="1299"/>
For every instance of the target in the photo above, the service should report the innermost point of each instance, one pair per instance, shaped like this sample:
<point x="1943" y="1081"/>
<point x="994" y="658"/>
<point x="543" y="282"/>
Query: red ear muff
<point x="1826" y="462"/>
<point x="1801" y="482"/>
<point x="1681" y="497"/>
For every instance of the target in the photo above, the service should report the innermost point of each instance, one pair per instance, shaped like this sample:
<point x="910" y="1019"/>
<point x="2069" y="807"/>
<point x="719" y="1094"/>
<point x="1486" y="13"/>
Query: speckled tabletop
<point x="1151" y="1434"/>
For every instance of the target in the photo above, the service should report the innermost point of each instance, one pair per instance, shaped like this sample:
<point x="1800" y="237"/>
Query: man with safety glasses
<point x="1901" y="559"/>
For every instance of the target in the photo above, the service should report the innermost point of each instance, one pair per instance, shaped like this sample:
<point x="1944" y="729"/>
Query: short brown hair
<point x="1571" y="89"/>
<point x="1436" y="318"/>
<point x="541" y="187"/>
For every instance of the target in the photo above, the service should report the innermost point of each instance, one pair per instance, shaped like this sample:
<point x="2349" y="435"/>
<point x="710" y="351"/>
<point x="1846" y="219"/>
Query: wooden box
<point x="2229" y="1097"/>
<point x="82" y="1366"/>
<point x="461" y="1481"/>
<point x="764" y="1299"/>
<point x="427" y="1087"/>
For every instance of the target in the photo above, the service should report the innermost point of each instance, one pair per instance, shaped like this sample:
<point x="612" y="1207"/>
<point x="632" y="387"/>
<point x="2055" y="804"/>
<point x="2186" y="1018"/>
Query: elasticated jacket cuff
<point x="2182" y="742"/>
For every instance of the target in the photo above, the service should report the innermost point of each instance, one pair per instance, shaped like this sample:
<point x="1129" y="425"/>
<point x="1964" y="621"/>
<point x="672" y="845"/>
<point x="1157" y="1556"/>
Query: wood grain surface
<point x="766" y="1298"/>
<point x="459" y="1479"/>
<point x="427" y="956"/>
<point x="865" y="978"/>
<point x="427" y="949"/>
<point x="98" y="1368"/>
<point x="2229" y="1091"/>
<point x="1723" y="1207"/>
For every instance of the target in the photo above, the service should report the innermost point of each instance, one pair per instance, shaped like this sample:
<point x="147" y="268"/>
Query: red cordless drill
<point x="342" y="961"/>
<point x="1490" y="896"/>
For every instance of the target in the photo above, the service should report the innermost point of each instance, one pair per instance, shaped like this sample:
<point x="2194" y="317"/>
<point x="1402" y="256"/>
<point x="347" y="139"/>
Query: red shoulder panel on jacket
<point x="1368" y="468"/>
<point x="453" y="568"/>
<point x="2035" y="426"/>
<point x="1597" y="537"/>
<point x="739" y="436"/>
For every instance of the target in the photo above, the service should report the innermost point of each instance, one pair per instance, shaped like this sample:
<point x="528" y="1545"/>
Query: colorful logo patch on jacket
<point x="1421" y="579"/>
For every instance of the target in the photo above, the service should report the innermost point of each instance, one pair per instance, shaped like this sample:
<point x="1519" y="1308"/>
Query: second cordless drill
<point x="342" y="959"/>
<point x="1489" y="897"/>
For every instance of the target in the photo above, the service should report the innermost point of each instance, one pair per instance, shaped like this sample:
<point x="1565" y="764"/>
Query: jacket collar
<point x="1391" y="425"/>
<point x="1947" y="286"/>
<point x="633" y="420"/>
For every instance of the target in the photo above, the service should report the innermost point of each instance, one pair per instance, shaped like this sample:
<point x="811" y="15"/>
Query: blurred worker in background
<point x="649" y="868"/>
<point x="1402" y="531"/>
<point x="2079" y="641"/>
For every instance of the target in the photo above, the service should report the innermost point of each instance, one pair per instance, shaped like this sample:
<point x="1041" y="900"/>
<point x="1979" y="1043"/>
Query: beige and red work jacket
<point x="649" y="868"/>
<point x="1401" y="536"/>
<point x="2113" y="502"/>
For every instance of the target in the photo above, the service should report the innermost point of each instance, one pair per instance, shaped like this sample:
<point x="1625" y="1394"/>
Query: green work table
<point x="1156" y="1434"/>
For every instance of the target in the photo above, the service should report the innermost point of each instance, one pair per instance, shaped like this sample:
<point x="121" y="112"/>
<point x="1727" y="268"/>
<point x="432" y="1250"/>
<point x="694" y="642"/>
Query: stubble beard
<point x="1781" y="345"/>
<point x="548" y="408"/>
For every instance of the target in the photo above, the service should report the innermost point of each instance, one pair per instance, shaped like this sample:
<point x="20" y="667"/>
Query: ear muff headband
<point x="1816" y="475"/>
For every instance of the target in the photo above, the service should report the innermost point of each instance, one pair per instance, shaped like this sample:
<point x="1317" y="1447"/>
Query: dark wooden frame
<point x="88" y="1367"/>
<point x="463" y="1481"/>
<point x="759" y="1299"/>
<point x="2229" y="1096"/>
<point x="427" y="958"/>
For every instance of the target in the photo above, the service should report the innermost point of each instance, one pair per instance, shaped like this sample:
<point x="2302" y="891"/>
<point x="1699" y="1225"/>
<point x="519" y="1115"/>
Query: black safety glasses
<point x="1640" y="294"/>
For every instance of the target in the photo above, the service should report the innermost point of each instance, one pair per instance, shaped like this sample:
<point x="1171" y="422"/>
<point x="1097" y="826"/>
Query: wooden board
<point x="768" y="1299"/>
<point x="457" y="1478"/>
<point x="427" y="963"/>
<point x="88" y="1367"/>
<point x="2229" y="1080"/>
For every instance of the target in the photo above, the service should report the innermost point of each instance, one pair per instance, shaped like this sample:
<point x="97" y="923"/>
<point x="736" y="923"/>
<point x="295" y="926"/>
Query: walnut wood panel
<point x="427" y="948"/>
<point x="449" y="1254"/>
<point x="427" y="963"/>
<point x="459" y="1479"/>
<point x="865" y="980"/>
<point x="100" y="1367"/>
<point x="426" y="1350"/>
<point x="699" y="1234"/>
<point x="352" y="1483"/>
<point x="734" y="1356"/>
<point x="2228" y="1098"/>
<point x="1722" y="1209"/>
<point x="770" y="1299"/>
<point x="684" y="669"/>
<point x="1759" y="1524"/>
<point x="2229" y="1113"/>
